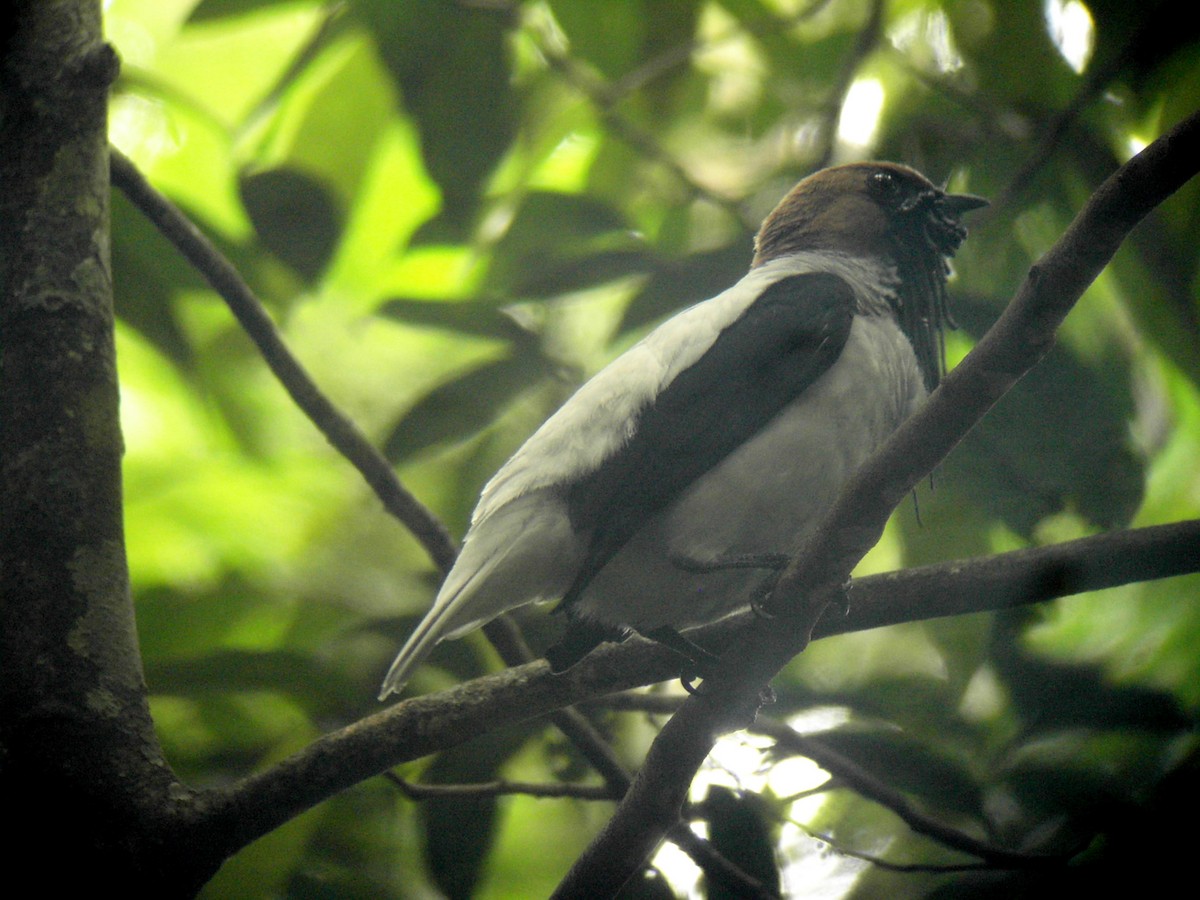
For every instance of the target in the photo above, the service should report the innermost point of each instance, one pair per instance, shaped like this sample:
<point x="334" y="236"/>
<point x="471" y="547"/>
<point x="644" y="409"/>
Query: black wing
<point x="760" y="363"/>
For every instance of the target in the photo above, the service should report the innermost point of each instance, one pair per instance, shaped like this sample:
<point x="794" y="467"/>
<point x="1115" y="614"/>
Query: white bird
<point x="723" y="435"/>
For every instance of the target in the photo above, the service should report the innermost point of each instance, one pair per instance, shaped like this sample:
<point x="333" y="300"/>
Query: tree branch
<point x="423" y="725"/>
<point x="337" y="428"/>
<point x="1007" y="352"/>
<point x="414" y="791"/>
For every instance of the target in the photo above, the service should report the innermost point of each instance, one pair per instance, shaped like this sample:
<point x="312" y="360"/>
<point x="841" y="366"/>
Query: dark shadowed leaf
<point x="1060" y="440"/>
<point x="479" y="316"/>
<point x="296" y="218"/>
<point x="563" y="242"/>
<point x="459" y="831"/>
<point x="1051" y="695"/>
<point x="464" y="406"/>
<point x="904" y="763"/>
<point x="741" y="829"/>
<point x="452" y="65"/>
<point x="680" y="283"/>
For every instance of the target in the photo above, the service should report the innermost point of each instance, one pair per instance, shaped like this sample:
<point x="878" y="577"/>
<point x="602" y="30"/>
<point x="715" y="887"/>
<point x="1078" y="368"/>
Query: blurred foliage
<point x="457" y="211"/>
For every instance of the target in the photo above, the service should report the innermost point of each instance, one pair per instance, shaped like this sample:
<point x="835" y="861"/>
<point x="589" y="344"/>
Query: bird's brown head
<point x="886" y="212"/>
<point x="876" y="209"/>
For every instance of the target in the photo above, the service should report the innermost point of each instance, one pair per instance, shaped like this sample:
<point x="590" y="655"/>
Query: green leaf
<point x="558" y="243"/>
<point x="452" y="66"/>
<point x="464" y="406"/>
<point x="459" y="831"/>
<point x="741" y="829"/>
<point x="1058" y="441"/>
<point x="295" y="216"/>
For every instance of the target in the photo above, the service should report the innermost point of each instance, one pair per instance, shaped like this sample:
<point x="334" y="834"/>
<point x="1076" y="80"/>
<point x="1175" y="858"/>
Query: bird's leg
<point x="840" y="599"/>
<point x="581" y="638"/>
<point x="761" y="594"/>
<point x="773" y="561"/>
<point x="697" y="662"/>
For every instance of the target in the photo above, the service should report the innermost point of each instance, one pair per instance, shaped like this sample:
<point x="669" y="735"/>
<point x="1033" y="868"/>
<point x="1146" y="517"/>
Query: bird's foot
<point x="697" y="662"/>
<point x="581" y="638"/>
<point x="761" y="595"/>
<point x="701" y="663"/>
<point x="764" y="590"/>
<point x="840" y="599"/>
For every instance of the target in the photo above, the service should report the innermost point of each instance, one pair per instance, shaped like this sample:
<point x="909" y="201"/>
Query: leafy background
<point x="456" y="211"/>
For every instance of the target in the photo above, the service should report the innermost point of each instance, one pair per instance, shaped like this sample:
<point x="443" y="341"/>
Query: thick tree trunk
<point x="80" y="767"/>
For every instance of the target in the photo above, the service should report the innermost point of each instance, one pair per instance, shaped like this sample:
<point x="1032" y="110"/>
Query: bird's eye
<point x="884" y="185"/>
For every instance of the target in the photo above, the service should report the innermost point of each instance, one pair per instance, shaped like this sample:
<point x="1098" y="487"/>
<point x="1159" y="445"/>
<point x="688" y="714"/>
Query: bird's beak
<point x="957" y="204"/>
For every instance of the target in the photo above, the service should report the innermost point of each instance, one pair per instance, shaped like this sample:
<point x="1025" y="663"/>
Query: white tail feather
<point x="525" y="552"/>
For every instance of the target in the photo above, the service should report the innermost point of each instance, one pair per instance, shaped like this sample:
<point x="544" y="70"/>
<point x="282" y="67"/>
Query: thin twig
<point x="912" y="868"/>
<point x="501" y="788"/>
<point x="856" y="778"/>
<point x="337" y="428"/>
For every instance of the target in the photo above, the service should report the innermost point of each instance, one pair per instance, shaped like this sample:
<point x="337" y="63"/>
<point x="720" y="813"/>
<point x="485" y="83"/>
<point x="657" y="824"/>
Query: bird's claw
<point x="759" y="610"/>
<point x="687" y="679"/>
<point x="840" y="599"/>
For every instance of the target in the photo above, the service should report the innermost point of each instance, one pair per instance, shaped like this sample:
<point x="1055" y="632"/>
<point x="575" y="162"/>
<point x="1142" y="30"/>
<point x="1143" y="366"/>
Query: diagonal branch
<point x="338" y="429"/>
<point x="1009" y="350"/>
<point x="500" y="788"/>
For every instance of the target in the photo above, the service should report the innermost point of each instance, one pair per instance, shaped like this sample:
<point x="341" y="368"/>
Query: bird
<point x="659" y="495"/>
